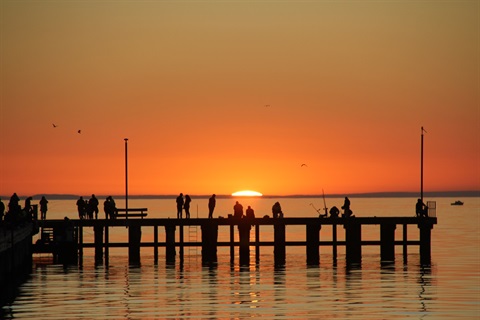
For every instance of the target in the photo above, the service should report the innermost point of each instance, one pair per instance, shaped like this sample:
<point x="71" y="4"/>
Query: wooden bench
<point x="132" y="212"/>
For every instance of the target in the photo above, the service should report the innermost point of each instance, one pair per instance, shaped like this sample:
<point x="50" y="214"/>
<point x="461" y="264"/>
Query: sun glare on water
<point x="246" y="193"/>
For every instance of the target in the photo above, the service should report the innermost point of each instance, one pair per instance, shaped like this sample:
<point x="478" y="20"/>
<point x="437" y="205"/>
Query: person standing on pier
<point x="28" y="205"/>
<point x="81" y="208"/>
<point x="13" y="206"/>
<point x="238" y="210"/>
<point x="211" y="206"/>
<point x="109" y="207"/>
<point x="186" y="206"/>
<point x="179" y="206"/>
<point x="93" y="203"/>
<point x="43" y="208"/>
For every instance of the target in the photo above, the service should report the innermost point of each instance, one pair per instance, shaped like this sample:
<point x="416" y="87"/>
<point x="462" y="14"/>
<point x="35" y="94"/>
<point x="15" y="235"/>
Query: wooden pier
<point x="209" y="243"/>
<point x="15" y="257"/>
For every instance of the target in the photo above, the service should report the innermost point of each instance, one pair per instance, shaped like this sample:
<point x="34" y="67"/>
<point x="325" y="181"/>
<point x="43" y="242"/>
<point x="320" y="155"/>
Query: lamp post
<point x="421" y="166"/>
<point x="126" y="178"/>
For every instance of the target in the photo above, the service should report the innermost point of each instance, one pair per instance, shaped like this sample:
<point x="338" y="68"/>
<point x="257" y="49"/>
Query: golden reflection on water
<point x="448" y="289"/>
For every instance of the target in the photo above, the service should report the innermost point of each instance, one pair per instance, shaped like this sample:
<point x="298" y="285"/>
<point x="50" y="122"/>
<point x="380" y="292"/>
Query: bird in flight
<point x="303" y="165"/>
<point x="267" y="105"/>
<point x="54" y="125"/>
<point x="79" y="131"/>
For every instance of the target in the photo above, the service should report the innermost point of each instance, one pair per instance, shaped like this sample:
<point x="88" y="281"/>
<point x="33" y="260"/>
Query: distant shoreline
<point x="435" y="194"/>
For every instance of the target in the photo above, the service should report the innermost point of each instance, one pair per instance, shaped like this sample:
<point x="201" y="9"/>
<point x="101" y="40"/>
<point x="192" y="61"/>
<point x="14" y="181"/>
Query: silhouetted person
<point x="346" y="204"/>
<point x="347" y="212"/>
<point x="334" y="212"/>
<point x="113" y="208"/>
<point x="13" y="205"/>
<point x="109" y="207"/>
<point x="250" y="214"/>
<point x="277" y="210"/>
<point x="186" y="206"/>
<point x="28" y="205"/>
<point x="43" y="208"/>
<point x="89" y="209"/>
<point x="81" y="208"/>
<point x="238" y="210"/>
<point x="421" y="210"/>
<point x="2" y="209"/>
<point x="211" y="206"/>
<point x="179" y="206"/>
<point x="93" y="207"/>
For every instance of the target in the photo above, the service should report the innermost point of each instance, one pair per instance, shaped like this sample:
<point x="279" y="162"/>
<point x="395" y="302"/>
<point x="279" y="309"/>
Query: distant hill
<point x="434" y="194"/>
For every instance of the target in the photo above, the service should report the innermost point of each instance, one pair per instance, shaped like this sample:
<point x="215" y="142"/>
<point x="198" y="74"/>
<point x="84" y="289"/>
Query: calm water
<point x="448" y="289"/>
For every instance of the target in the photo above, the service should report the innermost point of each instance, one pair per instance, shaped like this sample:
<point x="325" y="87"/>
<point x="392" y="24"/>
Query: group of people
<point x="16" y="213"/>
<point x="184" y="204"/>
<point x="88" y="208"/>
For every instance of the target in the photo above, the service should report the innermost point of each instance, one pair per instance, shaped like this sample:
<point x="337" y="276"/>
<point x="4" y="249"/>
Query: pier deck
<point x="209" y="236"/>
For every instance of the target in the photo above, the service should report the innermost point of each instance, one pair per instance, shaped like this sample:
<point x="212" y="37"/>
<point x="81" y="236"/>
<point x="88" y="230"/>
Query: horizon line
<point x="386" y="194"/>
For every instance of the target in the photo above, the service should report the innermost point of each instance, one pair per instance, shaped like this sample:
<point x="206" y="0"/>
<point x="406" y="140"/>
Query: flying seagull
<point x="54" y="125"/>
<point x="303" y="164"/>
<point x="79" y="131"/>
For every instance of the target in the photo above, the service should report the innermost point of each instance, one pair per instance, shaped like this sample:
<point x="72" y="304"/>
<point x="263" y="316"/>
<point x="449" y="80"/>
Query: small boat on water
<point x="457" y="203"/>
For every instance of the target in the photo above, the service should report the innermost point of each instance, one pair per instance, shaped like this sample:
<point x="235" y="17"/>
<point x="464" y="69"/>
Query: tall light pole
<point x="421" y="166"/>
<point x="126" y="178"/>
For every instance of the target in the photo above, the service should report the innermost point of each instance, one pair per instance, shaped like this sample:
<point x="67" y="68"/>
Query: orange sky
<point x="348" y="85"/>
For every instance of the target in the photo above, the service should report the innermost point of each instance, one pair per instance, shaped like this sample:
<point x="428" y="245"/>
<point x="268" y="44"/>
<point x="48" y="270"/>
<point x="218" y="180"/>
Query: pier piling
<point x="134" y="240"/>
<point x="313" y="241"/>
<point x="244" y="228"/>
<point x="170" y="243"/>
<point x="425" y="241"/>
<point x="209" y="242"/>
<point x="279" y="242"/>
<point x="387" y="241"/>
<point x="98" y="237"/>
<point x="353" y="238"/>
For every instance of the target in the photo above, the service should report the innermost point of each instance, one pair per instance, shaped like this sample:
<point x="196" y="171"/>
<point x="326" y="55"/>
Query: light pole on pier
<point x="421" y="166"/>
<point x="126" y="178"/>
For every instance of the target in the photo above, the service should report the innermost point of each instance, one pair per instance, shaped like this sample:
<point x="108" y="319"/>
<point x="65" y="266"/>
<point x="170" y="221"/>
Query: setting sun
<point x="247" y="193"/>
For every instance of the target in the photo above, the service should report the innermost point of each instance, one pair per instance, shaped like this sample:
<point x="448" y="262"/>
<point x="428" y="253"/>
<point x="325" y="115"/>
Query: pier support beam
<point x="257" y="243"/>
<point x="244" y="228"/>
<point x="98" y="238"/>
<point x="107" y="245"/>
<point x="80" y="244"/>
<point x="313" y="241"/>
<point x="170" y="243"/>
<point x="353" y="239"/>
<point x="425" y="241"/>
<point x="334" y="242"/>
<point x="232" y="247"/>
<point x="387" y="241"/>
<point x="279" y="242"/>
<point x="209" y="242"/>
<point x="134" y="240"/>
<point x="155" y="244"/>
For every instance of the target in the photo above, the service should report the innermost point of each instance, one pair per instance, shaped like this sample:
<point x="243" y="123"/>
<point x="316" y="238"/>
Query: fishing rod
<point x="324" y="203"/>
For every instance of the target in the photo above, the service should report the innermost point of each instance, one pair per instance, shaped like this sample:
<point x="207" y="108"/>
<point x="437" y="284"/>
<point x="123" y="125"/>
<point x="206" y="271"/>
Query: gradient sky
<point x="220" y="96"/>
